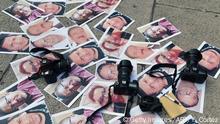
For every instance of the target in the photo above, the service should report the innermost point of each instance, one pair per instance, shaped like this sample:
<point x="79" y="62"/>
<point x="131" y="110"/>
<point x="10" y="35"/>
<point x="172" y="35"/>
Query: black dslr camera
<point x="50" y="69"/>
<point x="192" y="72"/>
<point x="124" y="86"/>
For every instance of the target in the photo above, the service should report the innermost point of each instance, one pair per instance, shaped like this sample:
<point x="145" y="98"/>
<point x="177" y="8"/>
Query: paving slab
<point x="198" y="5"/>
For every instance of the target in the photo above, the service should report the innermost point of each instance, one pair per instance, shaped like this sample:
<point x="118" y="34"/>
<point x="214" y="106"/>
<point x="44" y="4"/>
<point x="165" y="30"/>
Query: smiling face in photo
<point x="210" y="59"/>
<point x="138" y="52"/>
<point x="187" y="93"/>
<point x="68" y="86"/>
<point x="29" y="118"/>
<point x="49" y="41"/>
<point x="50" y="7"/>
<point x="12" y="100"/>
<point x="39" y="27"/>
<point x="117" y="22"/>
<point x="108" y="71"/>
<point x="15" y="43"/>
<point x="78" y="35"/>
<point x="155" y="31"/>
<point x="83" y="56"/>
<point x="152" y="85"/>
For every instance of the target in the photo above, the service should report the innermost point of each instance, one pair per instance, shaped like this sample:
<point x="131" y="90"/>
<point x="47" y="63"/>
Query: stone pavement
<point x="198" y="21"/>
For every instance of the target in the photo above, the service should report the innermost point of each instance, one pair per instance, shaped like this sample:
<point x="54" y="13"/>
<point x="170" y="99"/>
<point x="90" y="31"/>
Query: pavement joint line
<point x="6" y="70"/>
<point x="188" y="8"/>
<point x="152" y="11"/>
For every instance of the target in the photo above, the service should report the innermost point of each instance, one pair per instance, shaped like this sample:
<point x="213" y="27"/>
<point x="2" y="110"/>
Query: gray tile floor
<point x="198" y="21"/>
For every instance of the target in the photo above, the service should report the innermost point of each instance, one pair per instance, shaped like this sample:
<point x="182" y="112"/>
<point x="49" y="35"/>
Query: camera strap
<point x="48" y="60"/>
<point x="156" y="67"/>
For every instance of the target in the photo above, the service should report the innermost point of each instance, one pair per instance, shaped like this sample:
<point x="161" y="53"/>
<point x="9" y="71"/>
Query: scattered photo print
<point x="97" y="96"/>
<point x="106" y="70"/>
<point x="210" y="59"/>
<point x="23" y="11"/>
<point x="36" y="29"/>
<point x="191" y="95"/>
<point x="69" y="88"/>
<point x="77" y="115"/>
<point x="55" y="7"/>
<point x="106" y="5"/>
<point x="115" y="20"/>
<point x="79" y="35"/>
<point x="84" y="13"/>
<point x="14" y="43"/>
<point x="86" y="55"/>
<point x="169" y="53"/>
<point x="53" y="40"/>
<point x="188" y="120"/>
<point x="113" y="42"/>
<point x="27" y="66"/>
<point x="156" y="85"/>
<point x="37" y="113"/>
<point x="139" y="51"/>
<point x="159" y="30"/>
<point x="18" y="96"/>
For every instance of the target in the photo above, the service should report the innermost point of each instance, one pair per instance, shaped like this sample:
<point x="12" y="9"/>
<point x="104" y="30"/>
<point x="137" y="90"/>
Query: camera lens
<point x="124" y="71"/>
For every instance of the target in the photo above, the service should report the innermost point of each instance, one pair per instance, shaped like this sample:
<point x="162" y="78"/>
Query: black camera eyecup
<point x="125" y="63"/>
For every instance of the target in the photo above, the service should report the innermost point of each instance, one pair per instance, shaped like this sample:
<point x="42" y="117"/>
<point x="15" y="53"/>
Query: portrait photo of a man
<point x="69" y="88"/>
<point x="18" y="96"/>
<point x="159" y="30"/>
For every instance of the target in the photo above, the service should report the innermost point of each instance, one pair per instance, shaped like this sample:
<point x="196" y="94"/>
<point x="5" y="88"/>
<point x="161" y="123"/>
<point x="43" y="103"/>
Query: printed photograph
<point x="27" y="66"/>
<point x="77" y="115"/>
<point x="188" y="120"/>
<point x="210" y="59"/>
<point x="159" y="30"/>
<point x="18" y="96"/>
<point x="115" y="20"/>
<point x="24" y="12"/>
<point x="113" y="42"/>
<point x="191" y="95"/>
<point x="155" y="85"/>
<point x="38" y="28"/>
<point x="69" y="88"/>
<point x="169" y="53"/>
<point x="84" y="13"/>
<point x="107" y="70"/>
<point x="97" y="95"/>
<point x="54" y="40"/>
<point x="14" y="43"/>
<point x="79" y="35"/>
<point x="55" y="7"/>
<point x="37" y="113"/>
<point x="86" y="55"/>
<point x="139" y="51"/>
<point x="107" y="5"/>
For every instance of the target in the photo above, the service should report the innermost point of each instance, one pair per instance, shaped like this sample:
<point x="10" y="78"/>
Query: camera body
<point x="149" y="103"/>
<point x="192" y="72"/>
<point x="124" y="86"/>
<point x="50" y="69"/>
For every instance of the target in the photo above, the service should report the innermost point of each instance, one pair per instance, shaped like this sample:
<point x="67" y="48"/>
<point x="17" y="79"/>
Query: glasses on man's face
<point x="74" y="84"/>
<point x="103" y="96"/>
<point x="13" y="101"/>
